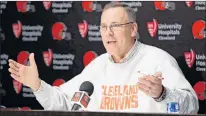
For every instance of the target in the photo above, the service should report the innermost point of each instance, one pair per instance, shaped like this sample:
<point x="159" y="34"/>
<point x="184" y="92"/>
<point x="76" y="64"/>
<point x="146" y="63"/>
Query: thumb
<point x="31" y="60"/>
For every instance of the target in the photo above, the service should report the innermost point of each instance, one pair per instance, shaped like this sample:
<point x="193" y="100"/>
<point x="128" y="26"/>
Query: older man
<point x="130" y="77"/>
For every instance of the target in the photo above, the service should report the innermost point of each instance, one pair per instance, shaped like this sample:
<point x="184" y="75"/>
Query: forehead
<point x="117" y="14"/>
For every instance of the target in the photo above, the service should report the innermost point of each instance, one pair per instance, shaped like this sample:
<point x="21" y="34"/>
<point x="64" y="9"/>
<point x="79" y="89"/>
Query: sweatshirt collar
<point x="129" y="55"/>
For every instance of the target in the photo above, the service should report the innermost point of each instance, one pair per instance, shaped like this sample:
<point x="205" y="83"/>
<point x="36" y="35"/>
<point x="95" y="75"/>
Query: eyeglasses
<point x="113" y="27"/>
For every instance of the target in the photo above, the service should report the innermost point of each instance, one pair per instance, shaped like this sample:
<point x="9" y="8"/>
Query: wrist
<point x="36" y="85"/>
<point x="162" y="95"/>
<point x="162" y="90"/>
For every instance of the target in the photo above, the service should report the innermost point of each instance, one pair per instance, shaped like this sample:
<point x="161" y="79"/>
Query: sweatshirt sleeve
<point x="178" y="89"/>
<point x="59" y="98"/>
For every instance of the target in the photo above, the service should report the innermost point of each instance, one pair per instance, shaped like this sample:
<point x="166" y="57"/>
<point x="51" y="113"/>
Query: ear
<point x="134" y="30"/>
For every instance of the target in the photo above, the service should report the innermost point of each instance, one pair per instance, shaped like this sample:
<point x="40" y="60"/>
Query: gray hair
<point x="130" y="12"/>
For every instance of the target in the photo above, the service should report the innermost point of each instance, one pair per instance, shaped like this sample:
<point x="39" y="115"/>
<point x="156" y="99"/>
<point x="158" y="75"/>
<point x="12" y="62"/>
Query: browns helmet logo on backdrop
<point x="58" y="82"/>
<point x="24" y="6"/>
<point x="200" y="89"/>
<point x="90" y="6"/>
<point x="88" y="57"/>
<point x="59" y="32"/>
<point x="199" y="29"/>
<point x="162" y="5"/>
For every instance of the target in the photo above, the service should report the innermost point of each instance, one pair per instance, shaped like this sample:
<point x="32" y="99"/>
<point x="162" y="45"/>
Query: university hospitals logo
<point x="197" y="5"/>
<point x="166" y="31"/>
<point x="47" y="4"/>
<point x="83" y="28"/>
<point x="88" y="57"/>
<point x="17" y="86"/>
<point x="162" y="5"/>
<point x="152" y="27"/>
<point x="190" y="58"/>
<point x="199" y="29"/>
<point x="59" y="30"/>
<point x="48" y="55"/>
<point x="189" y="3"/>
<point x="17" y="28"/>
<point x="200" y="89"/>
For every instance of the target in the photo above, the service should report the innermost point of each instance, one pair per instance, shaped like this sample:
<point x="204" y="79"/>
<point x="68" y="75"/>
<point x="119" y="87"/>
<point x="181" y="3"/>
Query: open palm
<point x="27" y="75"/>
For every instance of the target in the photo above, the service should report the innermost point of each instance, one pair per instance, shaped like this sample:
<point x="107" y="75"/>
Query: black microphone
<point x="81" y="99"/>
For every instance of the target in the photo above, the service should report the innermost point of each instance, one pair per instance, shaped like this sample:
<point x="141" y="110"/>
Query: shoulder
<point x="100" y="59"/>
<point x="156" y="53"/>
<point x="98" y="62"/>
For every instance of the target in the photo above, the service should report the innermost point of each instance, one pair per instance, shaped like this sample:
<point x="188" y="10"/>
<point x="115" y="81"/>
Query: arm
<point x="51" y="98"/>
<point x="59" y="98"/>
<point x="178" y="89"/>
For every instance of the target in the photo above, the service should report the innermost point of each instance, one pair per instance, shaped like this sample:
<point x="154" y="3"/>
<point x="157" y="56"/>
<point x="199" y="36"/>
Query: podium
<point x="6" y="112"/>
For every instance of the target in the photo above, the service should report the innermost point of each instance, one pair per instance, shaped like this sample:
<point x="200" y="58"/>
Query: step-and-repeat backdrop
<point x="65" y="37"/>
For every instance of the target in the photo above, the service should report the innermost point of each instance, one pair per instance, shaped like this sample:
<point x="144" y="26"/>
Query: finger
<point x="149" y="92"/>
<point x="12" y="71"/>
<point x="15" y="63"/>
<point x="144" y="86"/>
<point x="153" y="90"/>
<point x="141" y="73"/>
<point x="144" y="90"/>
<point x="154" y="79"/>
<point x="146" y="82"/>
<point x="160" y="77"/>
<point x="32" y="60"/>
<point x="15" y="77"/>
<point x="13" y="67"/>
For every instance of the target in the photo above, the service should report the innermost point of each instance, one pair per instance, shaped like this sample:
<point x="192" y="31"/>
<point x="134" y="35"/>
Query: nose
<point x="109" y="32"/>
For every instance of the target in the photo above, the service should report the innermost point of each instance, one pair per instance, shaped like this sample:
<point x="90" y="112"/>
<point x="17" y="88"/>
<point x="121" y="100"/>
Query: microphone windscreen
<point x="87" y="87"/>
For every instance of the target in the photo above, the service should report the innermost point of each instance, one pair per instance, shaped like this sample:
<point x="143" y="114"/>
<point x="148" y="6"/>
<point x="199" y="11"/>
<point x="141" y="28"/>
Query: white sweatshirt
<point x="115" y="84"/>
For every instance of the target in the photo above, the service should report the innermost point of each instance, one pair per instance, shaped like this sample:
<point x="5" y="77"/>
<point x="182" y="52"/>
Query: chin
<point x="111" y="52"/>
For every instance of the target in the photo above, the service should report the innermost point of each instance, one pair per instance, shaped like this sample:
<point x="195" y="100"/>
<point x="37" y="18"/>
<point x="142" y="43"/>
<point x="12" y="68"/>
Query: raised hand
<point x="151" y="84"/>
<point x="27" y="75"/>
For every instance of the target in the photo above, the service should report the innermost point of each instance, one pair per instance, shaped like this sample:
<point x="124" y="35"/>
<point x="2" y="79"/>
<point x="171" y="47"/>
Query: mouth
<point x="111" y="42"/>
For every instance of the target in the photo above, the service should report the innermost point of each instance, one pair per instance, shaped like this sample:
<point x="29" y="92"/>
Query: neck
<point x="117" y="58"/>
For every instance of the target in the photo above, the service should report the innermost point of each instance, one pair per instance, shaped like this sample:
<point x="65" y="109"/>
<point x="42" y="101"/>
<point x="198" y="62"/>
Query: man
<point x="130" y="77"/>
